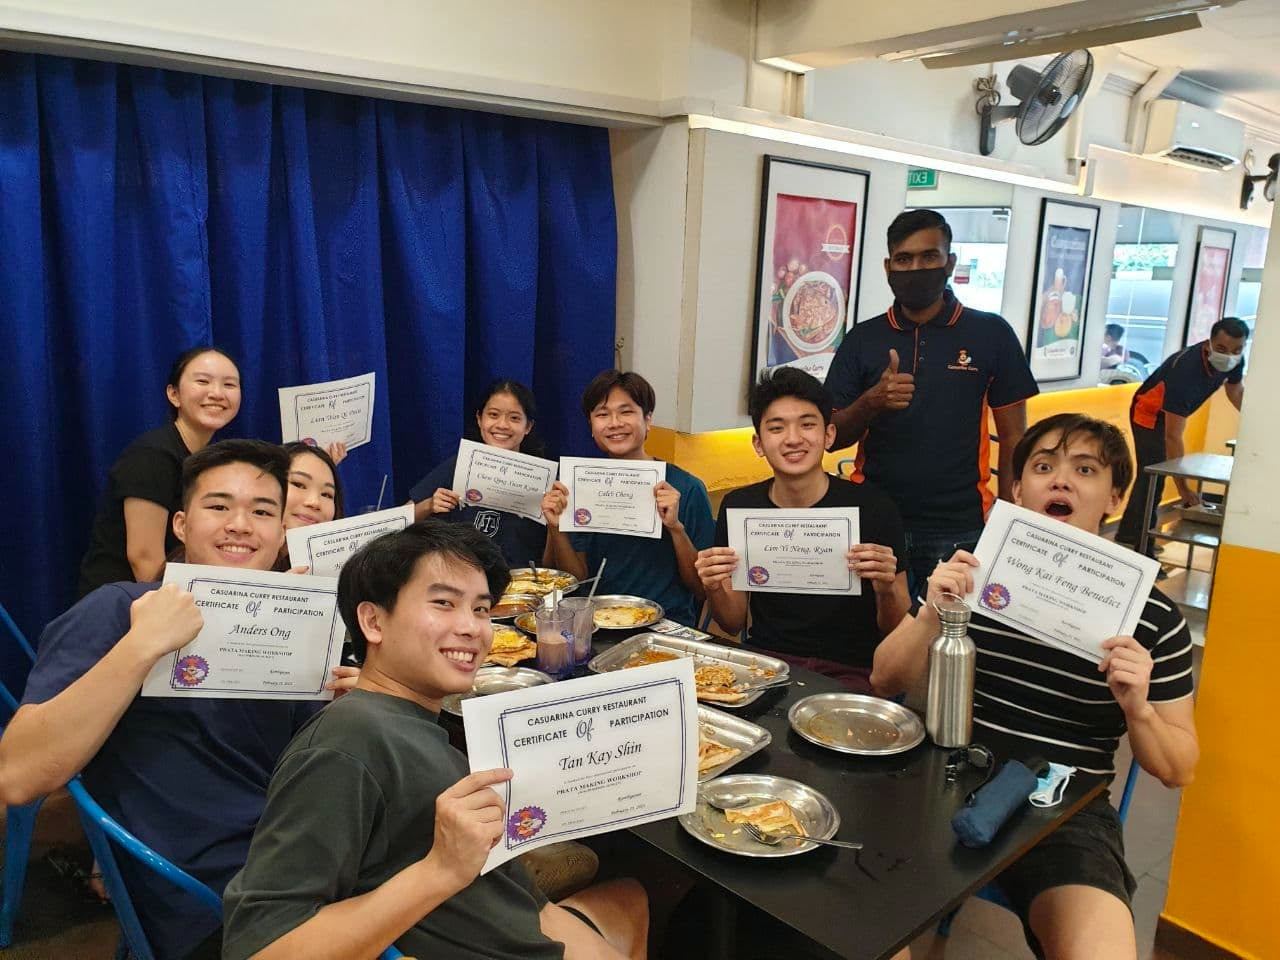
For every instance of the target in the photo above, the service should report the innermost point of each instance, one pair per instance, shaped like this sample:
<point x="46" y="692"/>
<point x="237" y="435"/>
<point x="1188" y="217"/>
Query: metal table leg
<point x="1153" y="487"/>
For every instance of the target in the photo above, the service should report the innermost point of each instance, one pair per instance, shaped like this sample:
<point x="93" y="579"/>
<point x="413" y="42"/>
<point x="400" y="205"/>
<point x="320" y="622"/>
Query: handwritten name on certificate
<point x="612" y="496"/>
<point x="794" y="551"/>
<point x="266" y="636"/>
<point x="325" y="547"/>
<point x="1064" y="586"/>
<point x="502" y="479"/>
<point x="590" y="755"/>
<point x="339" y="411"/>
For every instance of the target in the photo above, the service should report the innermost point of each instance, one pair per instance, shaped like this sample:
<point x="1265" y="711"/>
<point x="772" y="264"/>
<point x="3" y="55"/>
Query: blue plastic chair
<point x="20" y="826"/>
<point x="103" y="832"/>
<point x="992" y="893"/>
<point x="7" y="622"/>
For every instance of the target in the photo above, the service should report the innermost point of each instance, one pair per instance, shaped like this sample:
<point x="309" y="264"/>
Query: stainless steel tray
<point x="747" y="737"/>
<point x="814" y="811"/>
<point x="535" y="572"/>
<point x="854" y="723"/>
<point x="494" y="680"/>
<point x="624" y="600"/>
<point x="749" y="668"/>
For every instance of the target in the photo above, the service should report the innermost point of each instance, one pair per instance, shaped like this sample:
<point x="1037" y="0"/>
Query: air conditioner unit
<point x="1192" y="136"/>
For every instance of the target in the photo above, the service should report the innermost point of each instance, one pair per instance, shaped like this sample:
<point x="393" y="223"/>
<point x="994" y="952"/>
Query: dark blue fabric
<point x="646" y="567"/>
<point x="519" y="538"/>
<point x="994" y="804"/>
<point x="187" y="776"/>
<point x="315" y="236"/>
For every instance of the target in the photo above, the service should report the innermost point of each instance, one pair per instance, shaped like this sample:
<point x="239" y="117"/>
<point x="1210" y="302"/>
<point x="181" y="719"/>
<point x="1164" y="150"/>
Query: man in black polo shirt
<point x="914" y="384"/>
<point x="1159" y="411"/>
<point x="834" y="635"/>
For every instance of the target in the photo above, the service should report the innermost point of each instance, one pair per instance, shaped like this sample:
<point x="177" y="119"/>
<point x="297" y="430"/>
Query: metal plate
<point x="541" y="590"/>
<point x="814" y="811"/>
<point x="747" y="666"/>
<point x="623" y="600"/>
<point x="525" y="602"/>
<point x="494" y="680"/>
<point x="854" y="723"/>
<point x="749" y="738"/>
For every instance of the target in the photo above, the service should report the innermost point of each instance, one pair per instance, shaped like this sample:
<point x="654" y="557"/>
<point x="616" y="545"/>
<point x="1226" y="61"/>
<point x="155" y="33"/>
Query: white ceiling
<point x="1235" y="51"/>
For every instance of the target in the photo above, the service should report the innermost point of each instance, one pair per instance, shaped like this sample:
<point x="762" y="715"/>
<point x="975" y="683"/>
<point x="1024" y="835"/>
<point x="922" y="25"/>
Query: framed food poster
<point x="812" y="227"/>
<point x="1060" y="291"/>
<point x="1208" y="283"/>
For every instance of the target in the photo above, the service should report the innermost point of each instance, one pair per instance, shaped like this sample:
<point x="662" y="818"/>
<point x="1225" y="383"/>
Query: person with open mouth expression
<point x="1073" y="891"/>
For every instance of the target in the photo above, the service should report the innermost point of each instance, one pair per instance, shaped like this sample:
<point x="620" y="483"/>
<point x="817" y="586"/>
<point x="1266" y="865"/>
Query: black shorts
<point x="1087" y="850"/>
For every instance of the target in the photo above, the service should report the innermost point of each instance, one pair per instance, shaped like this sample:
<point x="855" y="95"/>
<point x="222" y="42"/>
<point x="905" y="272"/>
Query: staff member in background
<point x="619" y="407"/>
<point x="505" y="418"/>
<point x="914" y="384"/>
<point x="133" y="531"/>
<point x="1159" y="411"/>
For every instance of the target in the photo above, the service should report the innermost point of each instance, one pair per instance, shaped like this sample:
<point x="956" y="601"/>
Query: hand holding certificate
<point x="325" y="547"/>
<point x="590" y="755"/>
<point x="340" y="411"/>
<point x="503" y="480"/>
<point x="1069" y="588"/>
<point x="266" y="636"/>
<point x="794" y="551"/>
<point x="612" y="496"/>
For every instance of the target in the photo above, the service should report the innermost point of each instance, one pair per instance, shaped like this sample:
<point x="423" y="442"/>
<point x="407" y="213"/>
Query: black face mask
<point x="917" y="289"/>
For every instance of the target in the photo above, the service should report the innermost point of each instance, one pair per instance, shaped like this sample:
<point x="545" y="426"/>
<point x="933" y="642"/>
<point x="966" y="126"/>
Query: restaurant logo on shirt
<point x="963" y="362"/>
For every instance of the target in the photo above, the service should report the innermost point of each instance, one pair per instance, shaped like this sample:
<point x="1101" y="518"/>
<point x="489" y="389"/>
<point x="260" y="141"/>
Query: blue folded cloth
<point x="978" y="824"/>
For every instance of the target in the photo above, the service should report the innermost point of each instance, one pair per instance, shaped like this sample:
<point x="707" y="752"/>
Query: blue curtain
<point x="313" y="235"/>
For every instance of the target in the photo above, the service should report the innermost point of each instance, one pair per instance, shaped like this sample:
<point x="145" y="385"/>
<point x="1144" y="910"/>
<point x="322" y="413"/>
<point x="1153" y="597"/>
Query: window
<point x="980" y="241"/>
<point x="1253" y="252"/>
<point x="1141" y="287"/>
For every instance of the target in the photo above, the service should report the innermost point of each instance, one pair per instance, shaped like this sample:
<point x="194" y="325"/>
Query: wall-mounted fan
<point x="1047" y="99"/>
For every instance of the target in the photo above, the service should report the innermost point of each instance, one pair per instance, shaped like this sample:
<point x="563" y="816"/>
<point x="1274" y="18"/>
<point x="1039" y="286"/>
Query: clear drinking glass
<point x="583" y="626"/>
<point x="555" y="641"/>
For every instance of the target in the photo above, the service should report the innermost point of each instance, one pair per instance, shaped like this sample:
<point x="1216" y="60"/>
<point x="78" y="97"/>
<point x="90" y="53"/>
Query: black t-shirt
<point x="1179" y="386"/>
<point x="351" y="804"/>
<point x="842" y="629"/>
<point x="519" y="538"/>
<point x="150" y="468"/>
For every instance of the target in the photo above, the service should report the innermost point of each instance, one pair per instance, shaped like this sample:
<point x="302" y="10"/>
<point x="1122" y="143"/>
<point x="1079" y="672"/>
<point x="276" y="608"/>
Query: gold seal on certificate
<point x="612" y="496"/>
<point x="505" y="480"/>
<point x="339" y="411"/>
<point x="1064" y="586"/>
<point x="325" y="547"/>
<point x="590" y="755"/>
<point x="266" y="636"/>
<point x="794" y="551"/>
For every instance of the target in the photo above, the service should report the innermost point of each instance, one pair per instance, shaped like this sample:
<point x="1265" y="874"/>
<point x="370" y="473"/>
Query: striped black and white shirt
<point x="1057" y="705"/>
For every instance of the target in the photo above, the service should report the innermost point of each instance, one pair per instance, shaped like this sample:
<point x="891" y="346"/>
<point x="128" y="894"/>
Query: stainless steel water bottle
<point x="949" y="710"/>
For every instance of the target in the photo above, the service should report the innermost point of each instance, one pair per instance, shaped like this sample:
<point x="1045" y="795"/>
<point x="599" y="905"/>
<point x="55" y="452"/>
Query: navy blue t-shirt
<point x="933" y="457"/>
<point x="519" y="538"/>
<point x="188" y="777"/>
<point x="1179" y="386"/>
<point x="646" y="567"/>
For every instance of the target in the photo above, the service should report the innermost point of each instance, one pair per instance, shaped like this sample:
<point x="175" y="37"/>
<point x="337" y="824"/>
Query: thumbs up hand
<point x="895" y="390"/>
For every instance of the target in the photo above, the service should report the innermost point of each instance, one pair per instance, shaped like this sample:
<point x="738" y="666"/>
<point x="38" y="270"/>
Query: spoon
<point x="730" y="801"/>
<point x="772" y="839"/>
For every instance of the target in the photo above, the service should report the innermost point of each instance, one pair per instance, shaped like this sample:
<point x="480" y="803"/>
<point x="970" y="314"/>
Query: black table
<point x="899" y="807"/>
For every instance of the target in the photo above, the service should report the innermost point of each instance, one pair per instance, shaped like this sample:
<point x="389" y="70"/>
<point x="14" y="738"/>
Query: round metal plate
<point x="512" y="605"/>
<point x="624" y="600"/>
<point x="812" y="809"/>
<point x="542" y="584"/>
<point x="857" y="724"/>
<point x="494" y="680"/>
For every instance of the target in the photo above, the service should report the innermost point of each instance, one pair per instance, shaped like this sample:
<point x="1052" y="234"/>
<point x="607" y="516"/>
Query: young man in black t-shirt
<point x="373" y="831"/>
<point x="834" y="635"/>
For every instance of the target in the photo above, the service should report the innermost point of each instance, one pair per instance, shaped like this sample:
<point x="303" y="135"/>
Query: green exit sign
<point x="921" y="179"/>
